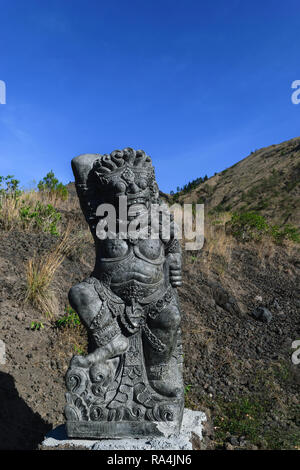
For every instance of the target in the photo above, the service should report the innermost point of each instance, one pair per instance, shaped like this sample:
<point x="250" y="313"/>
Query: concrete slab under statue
<point x="190" y="437"/>
<point x="130" y="383"/>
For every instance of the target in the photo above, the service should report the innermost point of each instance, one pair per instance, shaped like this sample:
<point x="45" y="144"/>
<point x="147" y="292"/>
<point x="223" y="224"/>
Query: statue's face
<point x="127" y="173"/>
<point x="135" y="186"/>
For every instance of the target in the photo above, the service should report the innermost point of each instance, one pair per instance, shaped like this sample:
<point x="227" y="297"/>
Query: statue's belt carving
<point x="132" y="317"/>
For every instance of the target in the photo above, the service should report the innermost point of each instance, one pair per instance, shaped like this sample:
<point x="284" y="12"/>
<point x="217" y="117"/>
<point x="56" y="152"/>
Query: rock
<point x="191" y="429"/>
<point x="234" y="441"/>
<point x="252" y="447"/>
<point x="224" y="299"/>
<point x="276" y="304"/>
<point x="20" y="316"/>
<point x="262" y="314"/>
<point x="229" y="446"/>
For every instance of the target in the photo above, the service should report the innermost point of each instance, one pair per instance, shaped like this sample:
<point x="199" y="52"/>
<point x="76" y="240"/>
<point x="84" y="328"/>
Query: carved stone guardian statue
<point x="130" y="383"/>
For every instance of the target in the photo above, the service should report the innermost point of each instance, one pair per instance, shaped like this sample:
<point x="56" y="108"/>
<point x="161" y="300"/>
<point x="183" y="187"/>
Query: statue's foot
<point x="116" y="347"/>
<point x="166" y="389"/>
<point x="166" y="379"/>
<point x="79" y="361"/>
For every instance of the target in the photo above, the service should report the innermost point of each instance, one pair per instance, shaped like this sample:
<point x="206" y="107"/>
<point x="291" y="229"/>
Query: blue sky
<point x="198" y="85"/>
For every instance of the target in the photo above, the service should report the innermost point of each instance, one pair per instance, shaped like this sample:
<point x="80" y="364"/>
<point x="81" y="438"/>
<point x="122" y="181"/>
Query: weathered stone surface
<point x="192" y="423"/>
<point x="130" y="383"/>
<point x="262" y="314"/>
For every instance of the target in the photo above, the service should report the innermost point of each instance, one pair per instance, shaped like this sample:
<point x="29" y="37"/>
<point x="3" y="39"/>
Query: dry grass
<point x="9" y="213"/>
<point x="205" y="337"/>
<point x="229" y="362"/>
<point x="70" y="341"/>
<point x="11" y="209"/>
<point x="217" y="241"/>
<point x="40" y="273"/>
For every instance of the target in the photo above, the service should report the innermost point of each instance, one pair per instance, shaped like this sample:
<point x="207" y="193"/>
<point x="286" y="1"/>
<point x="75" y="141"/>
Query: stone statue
<point x="130" y="383"/>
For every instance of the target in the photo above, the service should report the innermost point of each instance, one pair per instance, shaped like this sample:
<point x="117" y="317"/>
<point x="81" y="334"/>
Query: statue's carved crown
<point x="124" y="169"/>
<point x="123" y="162"/>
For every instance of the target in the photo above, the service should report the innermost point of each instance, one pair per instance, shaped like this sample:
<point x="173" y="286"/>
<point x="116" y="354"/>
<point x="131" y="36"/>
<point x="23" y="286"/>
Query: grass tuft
<point x="40" y="273"/>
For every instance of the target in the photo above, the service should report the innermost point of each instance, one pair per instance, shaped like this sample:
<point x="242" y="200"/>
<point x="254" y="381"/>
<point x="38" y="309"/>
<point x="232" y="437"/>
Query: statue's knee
<point x="78" y="296"/>
<point x="85" y="301"/>
<point x="175" y="318"/>
<point x="170" y="320"/>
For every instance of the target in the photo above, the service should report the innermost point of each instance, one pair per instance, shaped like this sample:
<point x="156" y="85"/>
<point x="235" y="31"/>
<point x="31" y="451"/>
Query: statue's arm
<point x="173" y="254"/>
<point x="82" y="166"/>
<point x="173" y="258"/>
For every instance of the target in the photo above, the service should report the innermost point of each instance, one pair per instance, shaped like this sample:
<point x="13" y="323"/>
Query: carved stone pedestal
<point x="127" y="407"/>
<point x="190" y="436"/>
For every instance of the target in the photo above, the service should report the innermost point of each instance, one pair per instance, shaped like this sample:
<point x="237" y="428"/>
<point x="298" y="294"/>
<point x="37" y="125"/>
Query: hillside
<point x="267" y="182"/>
<point x="237" y="364"/>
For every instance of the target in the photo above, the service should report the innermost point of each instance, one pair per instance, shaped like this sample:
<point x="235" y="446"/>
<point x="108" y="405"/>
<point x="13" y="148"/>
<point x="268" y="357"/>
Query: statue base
<point x="191" y="429"/>
<point x="129" y="408"/>
<point x="124" y="429"/>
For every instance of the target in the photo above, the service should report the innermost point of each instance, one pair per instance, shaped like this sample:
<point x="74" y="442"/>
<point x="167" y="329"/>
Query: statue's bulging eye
<point x="142" y="183"/>
<point x="120" y="187"/>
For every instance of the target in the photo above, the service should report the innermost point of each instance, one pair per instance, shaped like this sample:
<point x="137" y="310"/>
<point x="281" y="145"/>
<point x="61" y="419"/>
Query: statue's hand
<point x="174" y="261"/>
<point x="175" y="277"/>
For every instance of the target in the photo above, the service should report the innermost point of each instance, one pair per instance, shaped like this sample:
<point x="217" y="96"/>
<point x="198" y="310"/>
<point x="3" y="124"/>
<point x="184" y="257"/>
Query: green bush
<point x="69" y="319"/>
<point x="41" y="216"/>
<point x="287" y="232"/>
<point x="9" y="186"/>
<point x="51" y="185"/>
<point x="36" y="325"/>
<point x="248" y="226"/>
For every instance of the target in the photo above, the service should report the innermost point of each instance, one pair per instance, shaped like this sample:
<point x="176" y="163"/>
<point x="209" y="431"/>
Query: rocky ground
<point x="240" y="315"/>
<point x="238" y="369"/>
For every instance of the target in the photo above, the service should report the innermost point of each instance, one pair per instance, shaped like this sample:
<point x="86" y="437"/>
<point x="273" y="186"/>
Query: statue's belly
<point x="123" y="262"/>
<point x="138" y="270"/>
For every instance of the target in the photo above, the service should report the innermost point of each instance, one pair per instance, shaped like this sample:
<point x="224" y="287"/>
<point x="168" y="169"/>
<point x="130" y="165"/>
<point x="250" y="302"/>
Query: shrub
<point x="24" y="210"/>
<point x="251" y="226"/>
<point x="69" y="319"/>
<point x="50" y="184"/>
<point x="287" y="232"/>
<point x="9" y="186"/>
<point x="40" y="217"/>
<point x="36" y="325"/>
<point x="248" y="226"/>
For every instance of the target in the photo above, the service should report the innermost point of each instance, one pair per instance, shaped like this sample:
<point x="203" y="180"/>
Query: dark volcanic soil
<point x="229" y="355"/>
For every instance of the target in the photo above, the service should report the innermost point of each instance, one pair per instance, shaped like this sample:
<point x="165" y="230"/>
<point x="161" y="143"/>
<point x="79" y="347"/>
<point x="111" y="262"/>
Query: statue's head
<point x="127" y="173"/>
